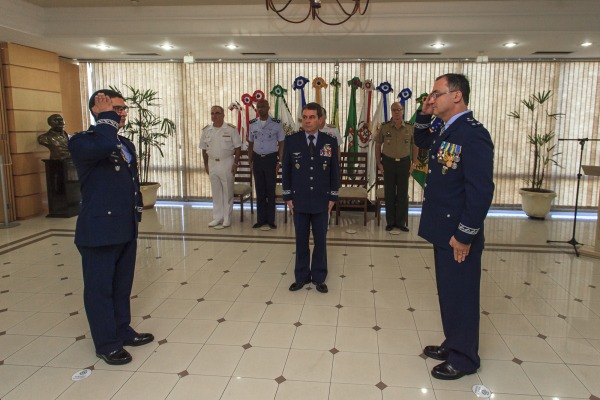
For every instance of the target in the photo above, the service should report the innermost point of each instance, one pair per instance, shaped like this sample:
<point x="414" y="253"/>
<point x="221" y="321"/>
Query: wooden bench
<point x="353" y="183"/>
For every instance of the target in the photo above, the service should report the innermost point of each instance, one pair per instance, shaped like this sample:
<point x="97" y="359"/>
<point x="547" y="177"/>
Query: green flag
<point x="352" y="121"/>
<point x="419" y="174"/>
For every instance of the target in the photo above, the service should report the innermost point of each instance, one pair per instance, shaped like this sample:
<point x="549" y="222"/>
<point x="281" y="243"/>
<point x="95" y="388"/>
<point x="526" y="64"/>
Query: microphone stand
<point x="573" y="242"/>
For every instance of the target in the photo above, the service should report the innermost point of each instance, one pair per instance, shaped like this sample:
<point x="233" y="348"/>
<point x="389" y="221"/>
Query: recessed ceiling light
<point x="102" y="46"/>
<point x="586" y="44"/>
<point x="510" y="44"/>
<point x="231" y="46"/>
<point x="438" y="45"/>
<point x="167" y="46"/>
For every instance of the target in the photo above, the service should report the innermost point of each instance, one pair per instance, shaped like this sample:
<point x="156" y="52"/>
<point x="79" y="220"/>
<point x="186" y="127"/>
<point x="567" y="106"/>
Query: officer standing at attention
<point x="265" y="144"/>
<point x="107" y="227"/>
<point x="458" y="195"/>
<point x="221" y="148"/>
<point x="331" y="130"/>
<point x="311" y="176"/>
<point x="394" y="163"/>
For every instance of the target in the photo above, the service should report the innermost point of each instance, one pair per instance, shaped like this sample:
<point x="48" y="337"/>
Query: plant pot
<point x="149" y="191"/>
<point x="536" y="204"/>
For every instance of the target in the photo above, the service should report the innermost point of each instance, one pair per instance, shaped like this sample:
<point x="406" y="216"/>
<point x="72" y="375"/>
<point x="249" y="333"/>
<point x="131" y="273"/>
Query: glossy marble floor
<point x="228" y="328"/>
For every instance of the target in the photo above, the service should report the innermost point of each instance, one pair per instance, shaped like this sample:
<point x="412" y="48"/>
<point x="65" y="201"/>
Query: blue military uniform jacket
<point x="459" y="187"/>
<point x="110" y="189"/>
<point x="310" y="181"/>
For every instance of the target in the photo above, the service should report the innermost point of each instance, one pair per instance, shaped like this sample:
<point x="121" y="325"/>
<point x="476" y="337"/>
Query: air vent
<point x="551" y="53"/>
<point x="259" y="54"/>
<point x="141" y="54"/>
<point x="422" y="54"/>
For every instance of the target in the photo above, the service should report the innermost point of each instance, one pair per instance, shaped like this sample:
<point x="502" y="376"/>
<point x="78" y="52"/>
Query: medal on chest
<point x="449" y="156"/>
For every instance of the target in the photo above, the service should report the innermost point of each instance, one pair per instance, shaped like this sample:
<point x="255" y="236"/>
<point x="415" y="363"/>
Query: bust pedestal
<point x="593" y="250"/>
<point x="63" y="188"/>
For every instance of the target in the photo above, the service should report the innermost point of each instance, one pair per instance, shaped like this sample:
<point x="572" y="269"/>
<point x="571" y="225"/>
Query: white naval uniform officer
<point x="331" y="130"/>
<point x="221" y="148"/>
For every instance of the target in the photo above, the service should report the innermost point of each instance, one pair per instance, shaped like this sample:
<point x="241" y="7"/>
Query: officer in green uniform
<point x="393" y="160"/>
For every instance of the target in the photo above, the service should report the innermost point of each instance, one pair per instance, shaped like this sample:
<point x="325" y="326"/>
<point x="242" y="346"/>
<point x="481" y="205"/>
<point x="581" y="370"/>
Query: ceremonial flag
<point x="403" y="97"/>
<point x="319" y="83"/>
<point x="335" y="113"/>
<point x="365" y="135"/>
<point x="282" y="111"/>
<point x="299" y="84"/>
<point x="236" y="109"/>
<point x="351" y="122"/>
<point x="247" y="101"/>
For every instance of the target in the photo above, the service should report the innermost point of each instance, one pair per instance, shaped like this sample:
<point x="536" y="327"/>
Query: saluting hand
<point x="102" y="103"/>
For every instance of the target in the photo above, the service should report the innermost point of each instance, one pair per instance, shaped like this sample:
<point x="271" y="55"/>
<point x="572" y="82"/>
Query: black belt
<point x="396" y="159"/>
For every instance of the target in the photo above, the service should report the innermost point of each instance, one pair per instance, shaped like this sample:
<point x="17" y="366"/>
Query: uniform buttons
<point x="433" y="157"/>
<point x="110" y="212"/>
<point x="311" y="178"/>
<point x="423" y="198"/>
<point x="425" y="185"/>
<point x="429" y="171"/>
<point x="311" y="188"/>
<point x="311" y="168"/>
<point x="448" y="216"/>
<point x="312" y="158"/>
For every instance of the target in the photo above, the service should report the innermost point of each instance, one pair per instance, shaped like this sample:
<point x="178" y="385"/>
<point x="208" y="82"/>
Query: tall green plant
<point x="540" y="141"/>
<point x="145" y="128"/>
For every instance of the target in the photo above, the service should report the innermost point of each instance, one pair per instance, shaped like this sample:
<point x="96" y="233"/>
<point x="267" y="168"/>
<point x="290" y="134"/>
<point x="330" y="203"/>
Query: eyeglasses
<point x="120" y="109"/>
<point x="435" y="95"/>
<point x="216" y="113"/>
<point x="397" y="110"/>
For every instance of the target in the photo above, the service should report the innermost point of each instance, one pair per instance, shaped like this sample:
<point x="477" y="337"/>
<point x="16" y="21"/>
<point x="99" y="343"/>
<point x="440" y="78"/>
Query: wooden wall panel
<point x="33" y="92"/>
<point x="29" y="99"/>
<point x="30" y="57"/>
<point x="71" y="96"/>
<point x="31" y="78"/>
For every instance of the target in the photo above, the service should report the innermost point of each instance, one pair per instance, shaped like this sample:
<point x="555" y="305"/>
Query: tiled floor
<point x="228" y="328"/>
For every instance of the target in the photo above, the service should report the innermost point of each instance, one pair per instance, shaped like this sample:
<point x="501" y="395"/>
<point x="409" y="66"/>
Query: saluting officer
<point x="396" y="138"/>
<point x="221" y="149"/>
<point x="311" y="175"/>
<point x="458" y="195"/>
<point x="265" y="145"/>
<point x="107" y="227"/>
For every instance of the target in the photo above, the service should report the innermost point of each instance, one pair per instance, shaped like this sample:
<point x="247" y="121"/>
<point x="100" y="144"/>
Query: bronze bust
<point x="56" y="139"/>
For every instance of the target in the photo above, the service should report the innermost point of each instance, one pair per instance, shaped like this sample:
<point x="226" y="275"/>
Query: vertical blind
<point x="497" y="88"/>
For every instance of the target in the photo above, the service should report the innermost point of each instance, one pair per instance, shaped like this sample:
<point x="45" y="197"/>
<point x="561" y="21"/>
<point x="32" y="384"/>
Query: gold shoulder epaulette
<point x="231" y="125"/>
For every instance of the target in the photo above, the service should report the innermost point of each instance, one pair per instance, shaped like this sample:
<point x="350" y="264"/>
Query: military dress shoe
<point x="436" y="352"/>
<point x="213" y="223"/>
<point x="297" y="286"/>
<point x="117" y="357"/>
<point x="403" y="228"/>
<point x="256" y="225"/>
<point x="322" y="287"/>
<point x="447" y="372"/>
<point x="389" y="227"/>
<point x="272" y="226"/>
<point x="139" y="339"/>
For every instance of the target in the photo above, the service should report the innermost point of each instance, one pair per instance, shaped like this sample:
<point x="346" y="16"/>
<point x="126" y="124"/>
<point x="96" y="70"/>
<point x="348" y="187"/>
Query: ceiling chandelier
<point x="313" y="10"/>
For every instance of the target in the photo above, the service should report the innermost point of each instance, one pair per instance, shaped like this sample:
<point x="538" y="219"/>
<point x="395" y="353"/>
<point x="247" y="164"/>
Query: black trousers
<point x="264" y="182"/>
<point x="458" y="291"/>
<point x="395" y="186"/>
<point x="107" y="279"/>
<point x="308" y="270"/>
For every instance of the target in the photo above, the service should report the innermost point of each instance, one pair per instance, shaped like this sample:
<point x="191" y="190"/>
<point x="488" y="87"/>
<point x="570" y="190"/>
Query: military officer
<point x="221" y="148"/>
<point x="311" y="174"/>
<point x="396" y="138"/>
<point x="265" y="150"/>
<point x="107" y="227"/>
<point x="458" y="195"/>
<point x="331" y="130"/>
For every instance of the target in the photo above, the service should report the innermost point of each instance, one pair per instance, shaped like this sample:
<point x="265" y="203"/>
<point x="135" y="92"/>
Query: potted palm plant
<point x="536" y="200"/>
<point x="147" y="131"/>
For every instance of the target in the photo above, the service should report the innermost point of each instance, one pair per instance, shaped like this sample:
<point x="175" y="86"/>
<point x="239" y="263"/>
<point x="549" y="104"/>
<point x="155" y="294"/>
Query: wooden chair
<point x="379" y="195"/>
<point x="353" y="183"/>
<point x="279" y="195"/>
<point x="242" y="185"/>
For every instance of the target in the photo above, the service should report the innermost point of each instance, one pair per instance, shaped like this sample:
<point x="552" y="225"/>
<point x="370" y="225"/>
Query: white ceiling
<point x="389" y="30"/>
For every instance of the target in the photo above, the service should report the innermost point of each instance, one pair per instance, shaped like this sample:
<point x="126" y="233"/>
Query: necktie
<point x="311" y="145"/>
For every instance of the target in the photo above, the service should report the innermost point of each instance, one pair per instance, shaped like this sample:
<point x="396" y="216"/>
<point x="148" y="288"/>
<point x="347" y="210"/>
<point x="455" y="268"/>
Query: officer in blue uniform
<point x="265" y="145"/>
<point x="311" y="176"/>
<point x="458" y="195"/>
<point x="107" y="227"/>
